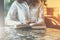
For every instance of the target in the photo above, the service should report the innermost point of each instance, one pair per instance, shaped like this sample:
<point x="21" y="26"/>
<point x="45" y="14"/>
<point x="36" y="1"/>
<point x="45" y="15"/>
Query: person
<point x="25" y="12"/>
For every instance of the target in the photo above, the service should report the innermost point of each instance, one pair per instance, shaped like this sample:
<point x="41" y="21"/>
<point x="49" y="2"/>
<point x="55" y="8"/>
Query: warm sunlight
<point x="55" y="5"/>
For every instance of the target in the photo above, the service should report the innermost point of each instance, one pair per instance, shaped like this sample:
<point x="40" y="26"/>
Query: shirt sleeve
<point x="11" y="16"/>
<point x="40" y="18"/>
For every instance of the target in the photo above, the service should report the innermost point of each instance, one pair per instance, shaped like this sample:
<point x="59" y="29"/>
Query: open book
<point x="29" y="25"/>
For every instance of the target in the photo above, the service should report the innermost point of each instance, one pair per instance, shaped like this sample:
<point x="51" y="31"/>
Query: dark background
<point x="1" y="13"/>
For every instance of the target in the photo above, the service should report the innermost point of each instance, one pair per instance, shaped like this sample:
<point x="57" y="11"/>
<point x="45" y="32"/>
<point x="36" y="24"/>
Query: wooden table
<point x="7" y="33"/>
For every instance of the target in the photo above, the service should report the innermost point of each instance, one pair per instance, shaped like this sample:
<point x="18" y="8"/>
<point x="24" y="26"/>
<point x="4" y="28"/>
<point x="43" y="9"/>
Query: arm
<point x="11" y="16"/>
<point x="40" y="17"/>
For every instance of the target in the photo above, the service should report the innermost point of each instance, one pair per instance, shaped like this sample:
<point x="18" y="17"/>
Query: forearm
<point x="35" y="23"/>
<point x="12" y="22"/>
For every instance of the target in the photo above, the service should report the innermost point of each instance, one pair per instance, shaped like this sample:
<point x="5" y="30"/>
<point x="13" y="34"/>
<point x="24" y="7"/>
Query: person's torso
<point x="24" y="12"/>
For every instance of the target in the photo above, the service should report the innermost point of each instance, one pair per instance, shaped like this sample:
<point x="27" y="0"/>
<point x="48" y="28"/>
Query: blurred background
<point x="7" y="4"/>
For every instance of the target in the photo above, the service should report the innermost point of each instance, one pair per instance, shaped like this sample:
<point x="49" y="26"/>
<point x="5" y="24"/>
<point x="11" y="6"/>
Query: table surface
<point x="7" y="33"/>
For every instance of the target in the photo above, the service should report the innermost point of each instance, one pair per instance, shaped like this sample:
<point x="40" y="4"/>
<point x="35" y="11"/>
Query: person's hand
<point x="33" y="21"/>
<point x="32" y="24"/>
<point x="28" y="22"/>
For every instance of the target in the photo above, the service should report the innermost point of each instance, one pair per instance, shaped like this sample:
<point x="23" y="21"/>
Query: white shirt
<point x="19" y="12"/>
